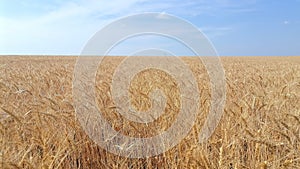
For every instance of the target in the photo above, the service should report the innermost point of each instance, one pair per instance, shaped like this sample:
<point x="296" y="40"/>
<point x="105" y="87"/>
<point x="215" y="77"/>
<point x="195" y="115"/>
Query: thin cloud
<point x="162" y="15"/>
<point x="215" y="32"/>
<point x="64" y="27"/>
<point x="286" y="22"/>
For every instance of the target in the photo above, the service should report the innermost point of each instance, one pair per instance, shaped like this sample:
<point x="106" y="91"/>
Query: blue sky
<point x="236" y="28"/>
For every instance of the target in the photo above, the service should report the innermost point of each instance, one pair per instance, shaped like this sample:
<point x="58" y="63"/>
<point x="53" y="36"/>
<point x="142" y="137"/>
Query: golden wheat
<point x="259" y="129"/>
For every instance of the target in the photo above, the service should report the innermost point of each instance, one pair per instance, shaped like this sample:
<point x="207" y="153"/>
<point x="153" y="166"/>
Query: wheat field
<point x="260" y="127"/>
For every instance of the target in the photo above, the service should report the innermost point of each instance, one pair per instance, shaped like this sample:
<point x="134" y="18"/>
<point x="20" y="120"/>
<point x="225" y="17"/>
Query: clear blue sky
<point x="235" y="27"/>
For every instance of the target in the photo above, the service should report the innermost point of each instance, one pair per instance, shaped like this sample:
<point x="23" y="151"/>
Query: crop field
<point x="260" y="127"/>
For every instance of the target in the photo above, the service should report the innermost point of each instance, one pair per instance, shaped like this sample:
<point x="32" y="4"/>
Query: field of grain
<point x="260" y="127"/>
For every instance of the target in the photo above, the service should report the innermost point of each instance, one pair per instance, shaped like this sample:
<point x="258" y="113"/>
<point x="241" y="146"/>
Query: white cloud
<point x="286" y="22"/>
<point x="162" y="15"/>
<point x="67" y="27"/>
<point x="60" y="31"/>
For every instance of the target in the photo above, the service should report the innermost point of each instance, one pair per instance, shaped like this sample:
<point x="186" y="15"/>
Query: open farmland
<point x="260" y="127"/>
